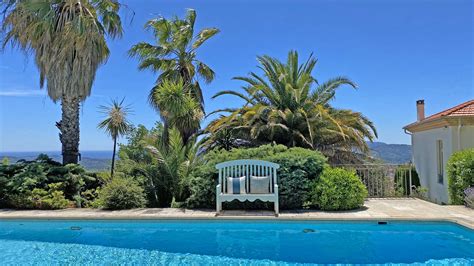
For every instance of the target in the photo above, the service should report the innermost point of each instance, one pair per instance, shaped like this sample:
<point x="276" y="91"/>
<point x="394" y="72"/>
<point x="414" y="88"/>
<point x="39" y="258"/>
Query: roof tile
<point x="462" y="109"/>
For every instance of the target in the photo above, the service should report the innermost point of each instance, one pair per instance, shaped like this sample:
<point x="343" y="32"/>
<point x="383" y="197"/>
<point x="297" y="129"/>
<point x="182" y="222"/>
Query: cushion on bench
<point x="259" y="185"/>
<point x="236" y="185"/>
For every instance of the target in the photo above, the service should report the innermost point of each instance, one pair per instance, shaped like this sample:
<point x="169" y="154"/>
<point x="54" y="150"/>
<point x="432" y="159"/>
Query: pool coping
<point x="244" y="218"/>
<point x="414" y="210"/>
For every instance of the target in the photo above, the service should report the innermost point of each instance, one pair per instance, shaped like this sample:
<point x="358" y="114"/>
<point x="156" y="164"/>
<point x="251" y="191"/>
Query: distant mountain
<point x="100" y="160"/>
<point x="391" y="153"/>
<point x="91" y="160"/>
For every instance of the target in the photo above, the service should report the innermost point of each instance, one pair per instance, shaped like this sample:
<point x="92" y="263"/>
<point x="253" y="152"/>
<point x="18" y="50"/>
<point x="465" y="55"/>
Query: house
<point x="434" y="139"/>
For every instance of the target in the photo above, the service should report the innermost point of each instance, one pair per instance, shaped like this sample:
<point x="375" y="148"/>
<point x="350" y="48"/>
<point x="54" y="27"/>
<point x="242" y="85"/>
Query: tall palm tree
<point x="174" y="57"/>
<point x="68" y="41"/>
<point x="287" y="106"/>
<point x="115" y="124"/>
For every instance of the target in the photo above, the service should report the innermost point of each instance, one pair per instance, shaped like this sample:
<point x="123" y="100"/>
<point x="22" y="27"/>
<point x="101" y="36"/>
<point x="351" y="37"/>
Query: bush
<point x="19" y="180"/>
<point x="420" y="192"/>
<point x="298" y="168"/>
<point x="338" y="189"/>
<point x="121" y="193"/>
<point x="50" y="199"/>
<point x="460" y="172"/>
<point x="402" y="180"/>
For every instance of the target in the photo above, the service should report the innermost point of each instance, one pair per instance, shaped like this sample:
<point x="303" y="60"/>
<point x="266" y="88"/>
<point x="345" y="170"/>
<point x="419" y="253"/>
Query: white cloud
<point x="22" y="93"/>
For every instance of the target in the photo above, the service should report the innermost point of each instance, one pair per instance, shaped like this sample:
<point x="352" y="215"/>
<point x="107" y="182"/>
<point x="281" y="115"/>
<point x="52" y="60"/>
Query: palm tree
<point x="176" y="161"/>
<point x="178" y="107"/>
<point x="68" y="40"/>
<point x="287" y="106"/>
<point x="115" y="124"/>
<point x="174" y="57"/>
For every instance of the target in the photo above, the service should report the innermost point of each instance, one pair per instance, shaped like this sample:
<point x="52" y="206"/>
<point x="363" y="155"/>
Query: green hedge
<point x="460" y="171"/>
<point x="298" y="168"/>
<point x="338" y="189"/>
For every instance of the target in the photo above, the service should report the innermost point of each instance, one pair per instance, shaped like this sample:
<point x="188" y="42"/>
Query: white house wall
<point x="467" y="138"/>
<point x="425" y="160"/>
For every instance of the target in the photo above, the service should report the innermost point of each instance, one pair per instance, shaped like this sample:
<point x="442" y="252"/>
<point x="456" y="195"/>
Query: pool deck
<point x="374" y="209"/>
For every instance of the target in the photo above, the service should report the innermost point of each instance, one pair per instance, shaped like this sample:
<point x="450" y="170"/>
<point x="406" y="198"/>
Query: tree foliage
<point x="68" y="41"/>
<point x="287" y="106"/>
<point x="115" y="124"/>
<point x="175" y="57"/>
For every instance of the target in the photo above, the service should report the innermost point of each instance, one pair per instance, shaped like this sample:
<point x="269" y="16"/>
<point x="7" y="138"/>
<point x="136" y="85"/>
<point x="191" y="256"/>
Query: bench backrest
<point x="238" y="168"/>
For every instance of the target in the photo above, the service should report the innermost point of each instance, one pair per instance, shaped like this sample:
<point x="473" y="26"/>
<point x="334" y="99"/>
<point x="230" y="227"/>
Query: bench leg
<point x="218" y="205"/>
<point x="277" y="209"/>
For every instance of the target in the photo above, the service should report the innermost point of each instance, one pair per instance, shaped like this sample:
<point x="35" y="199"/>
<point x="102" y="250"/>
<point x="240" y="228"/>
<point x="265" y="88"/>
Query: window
<point x="439" y="157"/>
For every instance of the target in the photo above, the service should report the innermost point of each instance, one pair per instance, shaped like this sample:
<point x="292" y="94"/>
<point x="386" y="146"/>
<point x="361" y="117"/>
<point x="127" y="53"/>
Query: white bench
<point x="247" y="168"/>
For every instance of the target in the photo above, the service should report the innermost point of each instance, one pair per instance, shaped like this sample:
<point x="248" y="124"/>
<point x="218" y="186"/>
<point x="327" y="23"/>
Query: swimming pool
<point x="227" y="242"/>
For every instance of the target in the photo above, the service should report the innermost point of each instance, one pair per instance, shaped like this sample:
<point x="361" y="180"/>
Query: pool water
<point x="223" y="242"/>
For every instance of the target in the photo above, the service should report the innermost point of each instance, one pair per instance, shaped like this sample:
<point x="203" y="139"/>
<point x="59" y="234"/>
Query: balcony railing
<point x="385" y="180"/>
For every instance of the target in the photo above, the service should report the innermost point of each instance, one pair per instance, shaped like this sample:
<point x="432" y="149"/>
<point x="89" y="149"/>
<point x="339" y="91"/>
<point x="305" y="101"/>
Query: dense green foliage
<point x="338" y="189"/>
<point x="460" y="171"/>
<point x="298" y="167"/>
<point x="286" y="105"/>
<point x="121" y="193"/>
<point x="52" y="198"/>
<point x="44" y="183"/>
<point x="162" y="168"/>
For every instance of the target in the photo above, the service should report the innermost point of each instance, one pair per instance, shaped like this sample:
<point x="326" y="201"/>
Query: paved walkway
<point x="375" y="209"/>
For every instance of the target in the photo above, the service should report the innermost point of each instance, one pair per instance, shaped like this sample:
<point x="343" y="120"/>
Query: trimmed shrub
<point x="338" y="189"/>
<point x="460" y="172"/>
<point x="120" y="194"/>
<point x="298" y="168"/>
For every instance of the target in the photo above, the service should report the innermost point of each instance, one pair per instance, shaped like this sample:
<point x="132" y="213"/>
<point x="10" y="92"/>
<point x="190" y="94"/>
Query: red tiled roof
<point x="461" y="110"/>
<point x="464" y="109"/>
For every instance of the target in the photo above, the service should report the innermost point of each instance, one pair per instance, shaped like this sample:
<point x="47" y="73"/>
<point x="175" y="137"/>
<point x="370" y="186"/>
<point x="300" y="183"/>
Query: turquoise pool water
<point x="233" y="242"/>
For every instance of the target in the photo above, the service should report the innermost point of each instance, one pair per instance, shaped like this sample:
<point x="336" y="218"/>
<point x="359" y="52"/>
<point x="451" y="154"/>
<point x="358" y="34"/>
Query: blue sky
<point x="396" y="51"/>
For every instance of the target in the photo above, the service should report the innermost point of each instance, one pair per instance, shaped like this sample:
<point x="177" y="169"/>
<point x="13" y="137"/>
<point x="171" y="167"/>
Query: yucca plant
<point x="115" y="124"/>
<point x="68" y="41"/>
<point x="177" y="107"/>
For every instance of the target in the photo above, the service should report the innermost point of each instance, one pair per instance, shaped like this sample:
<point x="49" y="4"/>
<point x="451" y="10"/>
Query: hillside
<point x="91" y="160"/>
<point x="391" y="153"/>
<point x="100" y="160"/>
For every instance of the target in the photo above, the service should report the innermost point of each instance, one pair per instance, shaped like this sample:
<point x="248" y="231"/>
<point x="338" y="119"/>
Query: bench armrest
<point x="275" y="189"/>
<point x="218" y="189"/>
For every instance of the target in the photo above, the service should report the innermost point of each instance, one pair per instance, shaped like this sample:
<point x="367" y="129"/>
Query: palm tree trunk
<point x="113" y="158"/>
<point x="166" y="132"/>
<point x="69" y="129"/>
